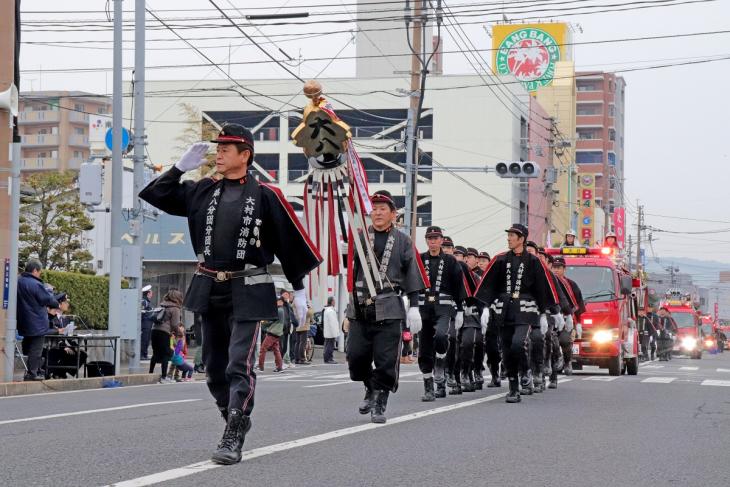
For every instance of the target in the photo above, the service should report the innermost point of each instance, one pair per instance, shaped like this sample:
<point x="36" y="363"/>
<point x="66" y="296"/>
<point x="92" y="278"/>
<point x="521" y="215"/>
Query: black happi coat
<point x="269" y="227"/>
<point x="452" y="281"/>
<point x="537" y="293"/>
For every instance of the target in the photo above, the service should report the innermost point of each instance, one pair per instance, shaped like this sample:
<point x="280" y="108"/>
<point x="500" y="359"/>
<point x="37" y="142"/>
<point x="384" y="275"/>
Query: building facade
<point x="600" y="115"/>
<point x="55" y="128"/>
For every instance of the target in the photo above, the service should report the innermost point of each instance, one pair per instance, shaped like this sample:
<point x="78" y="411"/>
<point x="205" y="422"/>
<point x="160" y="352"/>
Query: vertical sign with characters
<point x="6" y="284"/>
<point x="619" y="223"/>
<point x="587" y="189"/>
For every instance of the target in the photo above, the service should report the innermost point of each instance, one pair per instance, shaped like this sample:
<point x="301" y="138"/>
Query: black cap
<point x="434" y="232"/>
<point x="558" y="261"/>
<point x="484" y="255"/>
<point x="233" y="133"/>
<point x="532" y="244"/>
<point x="60" y="297"/>
<point x="519" y="229"/>
<point x="448" y="242"/>
<point x="459" y="249"/>
<point x="472" y="251"/>
<point x="383" y="196"/>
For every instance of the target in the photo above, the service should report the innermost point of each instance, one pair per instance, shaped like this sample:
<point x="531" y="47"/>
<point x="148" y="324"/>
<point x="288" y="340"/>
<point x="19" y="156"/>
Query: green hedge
<point x="89" y="295"/>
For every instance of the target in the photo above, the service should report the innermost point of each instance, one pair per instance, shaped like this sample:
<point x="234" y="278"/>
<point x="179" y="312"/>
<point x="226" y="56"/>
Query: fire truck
<point x="689" y="332"/>
<point x="612" y="298"/>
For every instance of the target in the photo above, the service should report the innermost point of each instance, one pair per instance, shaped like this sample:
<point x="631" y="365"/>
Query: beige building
<point x="55" y="127"/>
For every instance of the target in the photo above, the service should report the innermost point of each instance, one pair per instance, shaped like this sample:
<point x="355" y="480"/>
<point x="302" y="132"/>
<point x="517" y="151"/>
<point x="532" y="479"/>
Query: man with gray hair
<point x="32" y="315"/>
<point x="330" y="329"/>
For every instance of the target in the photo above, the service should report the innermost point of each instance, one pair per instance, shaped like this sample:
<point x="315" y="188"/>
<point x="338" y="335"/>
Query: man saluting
<point x="237" y="226"/>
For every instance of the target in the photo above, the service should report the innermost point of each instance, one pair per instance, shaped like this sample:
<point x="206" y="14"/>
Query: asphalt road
<point x="670" y="425"/>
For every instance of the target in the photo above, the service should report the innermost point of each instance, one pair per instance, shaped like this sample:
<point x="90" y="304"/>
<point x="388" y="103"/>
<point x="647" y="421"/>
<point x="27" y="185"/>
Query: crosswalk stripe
<point x="711" y="382"/>
<point x="652" y="366"/>
<point x="601" y="379"/>
<point x="723" y="370"/>
<point x="689" y="368"/>
<point x="659" y="380"/>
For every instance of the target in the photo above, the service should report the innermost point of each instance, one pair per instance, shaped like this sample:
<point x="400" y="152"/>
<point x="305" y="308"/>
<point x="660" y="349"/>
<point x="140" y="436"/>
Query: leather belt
<point x="223" y="276"/>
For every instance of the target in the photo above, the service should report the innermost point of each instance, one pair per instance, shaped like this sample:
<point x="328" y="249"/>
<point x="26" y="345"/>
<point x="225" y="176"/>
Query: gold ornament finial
<point x="313" y="91"/>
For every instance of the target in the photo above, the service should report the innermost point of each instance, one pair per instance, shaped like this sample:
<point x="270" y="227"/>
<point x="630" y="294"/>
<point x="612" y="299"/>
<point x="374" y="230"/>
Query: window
<point x="103" y="110"/>
<point x="298" y="166"/>
<point x="587" y="86"/>
<point x="42" y="154"/>
<point x="612" y="182"/>
<point x="79" y="107"/>
<point x="611" y="134"/>
<point x="269" y="164"/>
<point x="43" y="131"/>
<point x="79" y="130"/>
<point x="611" y="159"/>
<point x="77" y="154"/>
<point x="589" y="157"/>
<point x="589" y="109"/>
<point x="588" y="134"/>
<point x="268" y="131"/>
<point x="611" y="110"/>
<point x="611" y="206"/>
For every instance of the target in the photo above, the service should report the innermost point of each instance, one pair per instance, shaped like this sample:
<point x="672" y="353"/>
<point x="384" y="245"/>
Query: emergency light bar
<point x="607" y="251"/>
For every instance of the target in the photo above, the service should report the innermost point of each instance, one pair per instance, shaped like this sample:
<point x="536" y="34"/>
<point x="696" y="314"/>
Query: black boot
<point x="568" y="369"/>
<point x="539" y="383"/>
<point x="428" y="395"/>
<point x="478" y="380"/>
<point x="229" y="448"/>
<point x="466" y="384"/>
<point x="514" y="391"/>
<point x="451" y="380"/>
<point x="455" y="390"/>
<point x="495" y="382"/>
<point x="224" y="413"/>
<point x="440" y="389"/>
<point x="367" y="402"/>
<point x="439" y="377"/>
<point x="526" y="384"/>
<point x="380" y="402"/>
<point x="553" y="381"/>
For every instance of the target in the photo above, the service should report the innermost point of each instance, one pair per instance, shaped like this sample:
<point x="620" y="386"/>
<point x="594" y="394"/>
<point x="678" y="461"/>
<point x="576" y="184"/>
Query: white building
<point x="463" y="124"/>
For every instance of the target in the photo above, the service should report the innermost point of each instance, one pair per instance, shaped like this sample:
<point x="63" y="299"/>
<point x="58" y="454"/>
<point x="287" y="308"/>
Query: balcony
<point x="78" y="117"/>
<point x="39" y="140"/>
<point x="589" y="120"/>
<point x="39" y="116"/>
<point x="39" y="163"/>
<point x="590" y="96"/>
<point x="594" y="144"/>
<point x="77" y="140"/>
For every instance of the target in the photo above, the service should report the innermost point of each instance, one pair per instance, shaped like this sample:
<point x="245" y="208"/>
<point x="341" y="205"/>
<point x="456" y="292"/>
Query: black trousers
<point x="492" y="346"/>
<point x="552" y="352"/>
<point x="471" y="340"/>
<point x="378" y="343"/>
<point x="452" y="354"/>
<point x="229" y="355"/>
<point x="566" y="344"/>
<point x="644" y="340"/>
<point x="329" y="348"/>
<point x="537" y="351"/>
<point x="514" y="346"/>
<point x="33" y="348"/>
<point x="144" y="343"/>
<point x="301" y="345"/>
<point x="161" y="352"/>
<point x="434" y="335"/>
<point x="284" y="341"/>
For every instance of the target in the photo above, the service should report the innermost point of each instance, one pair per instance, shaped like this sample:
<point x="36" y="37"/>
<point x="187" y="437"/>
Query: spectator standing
<point x="147" y="321"/>
<point x="162" y="332"/>
<point x="32" y="315"/>
<point x="287" y="338"/>
<point x="272" y="332"/>
<point x="302" y="332"/>
<point x="331" y="330"/>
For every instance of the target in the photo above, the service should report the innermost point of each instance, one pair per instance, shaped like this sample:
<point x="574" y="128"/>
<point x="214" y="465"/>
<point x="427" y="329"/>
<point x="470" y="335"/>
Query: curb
<point x="56" y="385"/>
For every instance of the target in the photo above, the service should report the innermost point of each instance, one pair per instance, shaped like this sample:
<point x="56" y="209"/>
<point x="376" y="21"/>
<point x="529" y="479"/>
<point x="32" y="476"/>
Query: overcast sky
<point x="677" y="133"/>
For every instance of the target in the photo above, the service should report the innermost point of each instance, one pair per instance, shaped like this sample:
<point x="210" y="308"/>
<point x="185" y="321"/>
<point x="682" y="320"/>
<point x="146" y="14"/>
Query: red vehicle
<point x="709" y="334"/>
<point x="689" y="334"/>
<point x="610" y="338"/>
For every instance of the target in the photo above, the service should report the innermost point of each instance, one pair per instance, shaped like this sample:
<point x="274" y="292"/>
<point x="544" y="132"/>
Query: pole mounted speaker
<point x="9" y="100"/>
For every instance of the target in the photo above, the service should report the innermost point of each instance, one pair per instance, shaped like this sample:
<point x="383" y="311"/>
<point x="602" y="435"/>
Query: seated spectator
<point x="179" y="354"/>
<point x="63" y="353"/>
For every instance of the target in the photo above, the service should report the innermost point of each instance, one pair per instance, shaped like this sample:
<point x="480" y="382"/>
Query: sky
<point x="677" y="153"/>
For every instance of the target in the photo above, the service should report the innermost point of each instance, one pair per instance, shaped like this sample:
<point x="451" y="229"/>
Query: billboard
<point x="530" y="51"/>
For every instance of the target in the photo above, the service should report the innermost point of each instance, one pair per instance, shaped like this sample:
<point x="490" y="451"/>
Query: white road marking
<point x="689" y="368"/>
<point x="723" y="370"/>
<point x="721" y="383"/>
<point x="601" y="379"/>
<point x="92" y="411"/>
<point x="659" y="380"/>
<point x="123" y="388"/>
<point x="652" y="366"/>
<point x="194" y="468"/>
<point x="327" y="384"/>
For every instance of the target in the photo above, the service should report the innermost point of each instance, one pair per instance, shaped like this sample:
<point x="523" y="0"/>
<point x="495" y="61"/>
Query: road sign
<point x="125" y="139"/>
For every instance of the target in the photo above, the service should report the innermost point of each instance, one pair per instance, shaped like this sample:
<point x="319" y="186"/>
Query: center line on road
<point x="91" y="411"/>
<point x="689" y="368"/>
<point x="327" y="384"/>
<point x="659" y="380"/>
<point x="194" y="468"/>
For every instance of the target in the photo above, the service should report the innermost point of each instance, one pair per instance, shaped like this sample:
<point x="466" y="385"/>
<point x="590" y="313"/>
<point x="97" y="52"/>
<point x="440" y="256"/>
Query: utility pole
<point x="137" y="220"/>
<point x="639" y="225"/>
<point x="115" y="246"/>
<point x="10" y="195"/>
<point x="630" y="250"/>
<point x="411" y="206"/>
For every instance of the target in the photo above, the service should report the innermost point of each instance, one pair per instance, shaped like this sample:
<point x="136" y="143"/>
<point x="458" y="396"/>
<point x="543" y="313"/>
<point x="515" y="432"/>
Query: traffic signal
<point x="518" y="169"/>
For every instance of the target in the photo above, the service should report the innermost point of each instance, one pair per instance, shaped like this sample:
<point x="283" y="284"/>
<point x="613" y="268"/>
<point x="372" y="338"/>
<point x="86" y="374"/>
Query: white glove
<point x="569" y="323"/>
<point x="578" y="331"/>
<point x="485" y="319"/>
<point x="300" y="305"/>
<point x="194" y="157"/>
<point x="459" y="320"/>
<point x="413" y="320"/>
<point x="543" y="324"/>
<point x="559" y="321"/>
